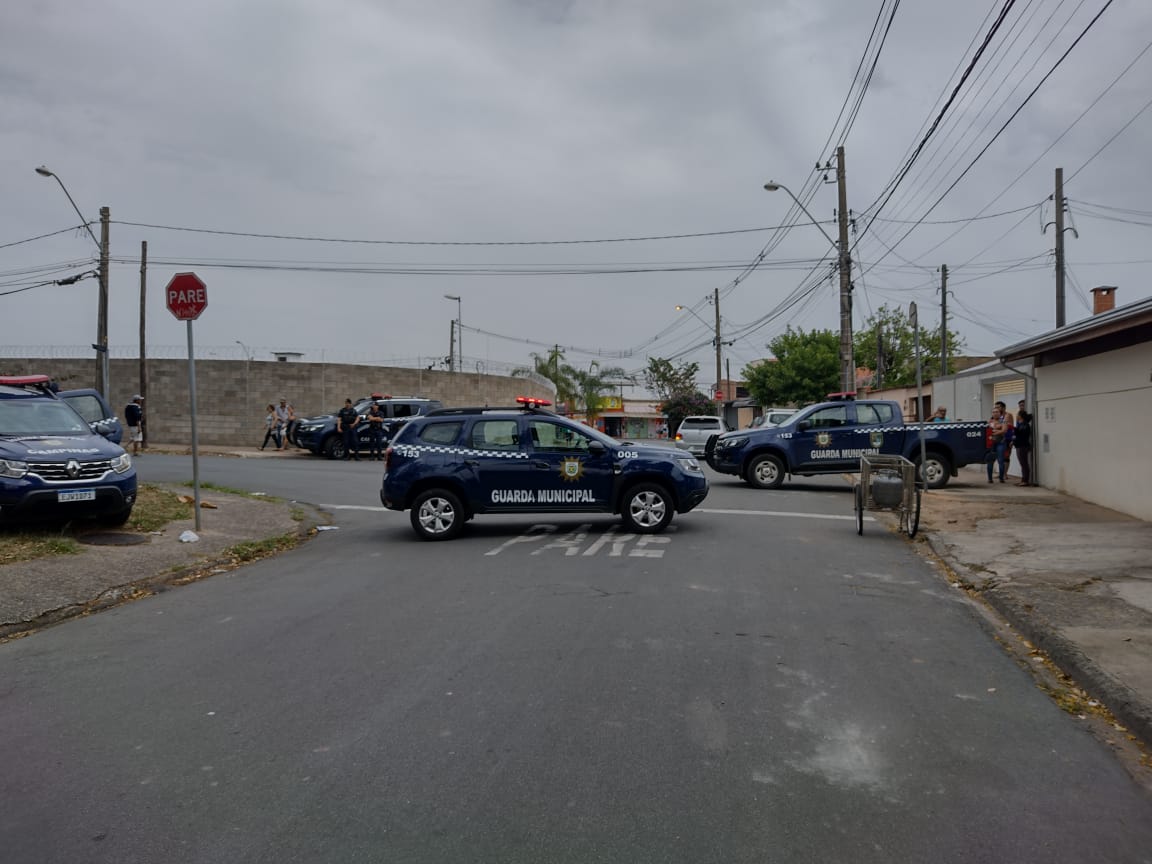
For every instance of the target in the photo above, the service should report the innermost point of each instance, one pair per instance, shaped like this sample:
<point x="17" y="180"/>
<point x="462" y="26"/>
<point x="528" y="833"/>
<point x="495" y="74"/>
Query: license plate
<point x="77" y="495"/>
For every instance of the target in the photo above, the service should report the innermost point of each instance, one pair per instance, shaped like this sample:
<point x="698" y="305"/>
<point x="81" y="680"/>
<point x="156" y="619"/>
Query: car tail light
<point x="679" y="437"/>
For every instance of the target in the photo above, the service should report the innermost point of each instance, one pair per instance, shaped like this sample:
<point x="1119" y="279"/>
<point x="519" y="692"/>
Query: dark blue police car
<point x="453" y="463"/>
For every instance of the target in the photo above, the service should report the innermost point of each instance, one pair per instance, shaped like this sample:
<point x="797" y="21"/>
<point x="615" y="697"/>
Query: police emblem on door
<point x="876" y="439"/>
<point x="823" y="439"/>
<point x="571" y="470"/>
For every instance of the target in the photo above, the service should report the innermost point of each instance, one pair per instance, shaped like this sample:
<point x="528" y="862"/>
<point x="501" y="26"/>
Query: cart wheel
<point x="914" y="516"/>
<point x="859" y="509"/>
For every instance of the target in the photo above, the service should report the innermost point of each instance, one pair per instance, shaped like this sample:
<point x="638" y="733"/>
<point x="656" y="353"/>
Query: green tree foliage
<point x="553" y="367"/>
<point x="899" y="349"/>
<point x="592" y="386"/>
<point x="685" y="404"/>
<point x="666" y="379"/>
<point x="806" y="369"/>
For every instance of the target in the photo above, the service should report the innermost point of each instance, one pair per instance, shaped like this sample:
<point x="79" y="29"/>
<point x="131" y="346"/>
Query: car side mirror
<point x="596" y="448"/>
<point x="804" y="425"/>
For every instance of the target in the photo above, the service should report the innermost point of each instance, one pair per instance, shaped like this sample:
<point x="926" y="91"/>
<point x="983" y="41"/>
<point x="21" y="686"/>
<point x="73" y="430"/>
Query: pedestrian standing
<point x="134" y="417"/>
<point x="286" y="415"/>
<point x="271" y="428"/>
<point x="1024" y="435"/>
<point x="346" y="422"/>
<point x="375" y="433"/>
<point x="997" y="428"/>
<point x="941" y="415"/>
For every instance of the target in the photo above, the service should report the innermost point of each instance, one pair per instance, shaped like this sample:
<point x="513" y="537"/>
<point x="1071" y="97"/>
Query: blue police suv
<point x="53" y="465"/>
<point x="453" y="463"/>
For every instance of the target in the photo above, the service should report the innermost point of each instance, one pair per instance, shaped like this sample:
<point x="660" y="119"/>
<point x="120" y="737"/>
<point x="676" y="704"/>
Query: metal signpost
<point x="919" y="393"/>
<point x="186" y="296"/>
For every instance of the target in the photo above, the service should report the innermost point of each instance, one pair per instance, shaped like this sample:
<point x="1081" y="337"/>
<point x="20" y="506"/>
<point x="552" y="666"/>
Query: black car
<point x="319" y="435"/>
<point x="456" y="462"/>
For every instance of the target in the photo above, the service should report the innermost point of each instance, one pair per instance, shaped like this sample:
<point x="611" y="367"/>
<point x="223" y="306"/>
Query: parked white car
<point x="695" y="431"/>
<point x="772" y="417"/>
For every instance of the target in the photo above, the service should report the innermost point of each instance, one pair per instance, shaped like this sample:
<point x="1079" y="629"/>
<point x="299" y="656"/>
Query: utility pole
<point x="716" y="389"/>
<point x="102" y="313"/>
<point x="143" y="354"/>
<point x="452" y="347"/>
<point x="879" y="356"/>
<point x="847" y="362"/>
<point x="1058" y="201"/>
<point x="943" y="319"/>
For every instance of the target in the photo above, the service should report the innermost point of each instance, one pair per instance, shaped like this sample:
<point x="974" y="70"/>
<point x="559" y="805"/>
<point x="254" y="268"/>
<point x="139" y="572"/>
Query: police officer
<point x="375" y="433"/>
<point x="346" y="422"/>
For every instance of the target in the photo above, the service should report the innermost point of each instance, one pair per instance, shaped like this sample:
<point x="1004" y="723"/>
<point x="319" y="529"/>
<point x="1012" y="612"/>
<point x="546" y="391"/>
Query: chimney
<point x="1103" y="299"/>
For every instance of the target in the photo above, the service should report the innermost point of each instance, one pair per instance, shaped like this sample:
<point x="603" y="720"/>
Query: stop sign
<point x="186" y="296"/>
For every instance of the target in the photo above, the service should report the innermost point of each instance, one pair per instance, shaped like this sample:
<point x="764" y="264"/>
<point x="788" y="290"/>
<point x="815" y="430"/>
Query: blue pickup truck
<point x="830" y="438"/>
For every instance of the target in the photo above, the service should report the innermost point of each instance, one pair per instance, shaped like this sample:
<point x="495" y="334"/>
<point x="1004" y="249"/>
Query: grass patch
<point x="155" y="508"/>
<point x="30" y="545"/>
<point x="242" y="553"/>
<point x="230" y="490"/>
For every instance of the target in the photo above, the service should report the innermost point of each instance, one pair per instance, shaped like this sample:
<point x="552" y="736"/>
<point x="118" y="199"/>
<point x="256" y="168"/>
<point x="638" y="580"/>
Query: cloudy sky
<point x="421" y="125"/>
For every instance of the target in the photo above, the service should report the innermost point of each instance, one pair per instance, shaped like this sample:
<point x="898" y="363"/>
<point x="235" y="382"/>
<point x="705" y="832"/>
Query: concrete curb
<point x="1124" y="702"/>
<point x="149" y="585"/>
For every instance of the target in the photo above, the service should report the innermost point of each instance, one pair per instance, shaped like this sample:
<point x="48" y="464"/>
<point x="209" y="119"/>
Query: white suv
<point x="695" y="431"/>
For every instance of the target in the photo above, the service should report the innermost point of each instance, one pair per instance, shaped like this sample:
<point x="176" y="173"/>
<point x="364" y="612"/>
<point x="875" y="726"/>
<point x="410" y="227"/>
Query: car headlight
<point x="732" y="443"/>
<point x="121" y="463"/>
<point x="691" y="465"/>
<point x="12" y="468"/>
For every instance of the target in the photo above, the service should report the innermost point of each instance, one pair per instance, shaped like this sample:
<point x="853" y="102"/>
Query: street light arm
<point x="44" y="172"/>
<point x="772" y="186"/>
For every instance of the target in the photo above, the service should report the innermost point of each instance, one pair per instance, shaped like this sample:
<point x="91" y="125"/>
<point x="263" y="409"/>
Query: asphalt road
<point x="758" y="685"/>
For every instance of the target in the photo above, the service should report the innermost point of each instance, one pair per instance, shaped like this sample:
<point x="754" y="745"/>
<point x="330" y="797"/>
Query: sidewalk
<point x="1074" y="578"/>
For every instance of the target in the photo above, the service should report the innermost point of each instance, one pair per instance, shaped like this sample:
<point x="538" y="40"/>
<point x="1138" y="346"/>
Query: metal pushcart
<point x="889" y="483"/>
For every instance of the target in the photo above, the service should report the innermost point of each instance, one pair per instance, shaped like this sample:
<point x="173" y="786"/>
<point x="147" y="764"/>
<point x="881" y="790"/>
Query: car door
<point x="566" y="471"/>
<point x="90" y="405"/>
<point x="497" y="463"/>
<point x="826" y="441"/>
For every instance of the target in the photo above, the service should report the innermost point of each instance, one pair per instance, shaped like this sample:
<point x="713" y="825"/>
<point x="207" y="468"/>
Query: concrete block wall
<point x="231" y="395"/>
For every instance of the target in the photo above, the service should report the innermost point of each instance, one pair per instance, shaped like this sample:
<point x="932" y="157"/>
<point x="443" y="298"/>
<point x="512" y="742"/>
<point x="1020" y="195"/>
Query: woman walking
<point x="271" y="428"/>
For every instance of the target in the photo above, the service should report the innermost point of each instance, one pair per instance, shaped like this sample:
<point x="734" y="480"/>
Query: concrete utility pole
<point x="943" y="319"/>
<point x="847" y="361"/>
<point x="102" y="314"/>
<point x="452" y="346"/>
<point x="716" y="303"/>
<point x="143" y="353"/>
<point x="1058" y="201"/>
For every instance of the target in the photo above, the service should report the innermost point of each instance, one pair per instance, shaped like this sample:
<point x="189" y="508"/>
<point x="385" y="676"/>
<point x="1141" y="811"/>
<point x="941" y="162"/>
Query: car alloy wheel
<point x="647" y="509"/>
<point x="437" y="515"/>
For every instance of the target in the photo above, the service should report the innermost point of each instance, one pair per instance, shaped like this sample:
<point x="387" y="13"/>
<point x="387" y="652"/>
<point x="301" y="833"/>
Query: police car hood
<point x="653" y="451"/>
<point x="56" y="448"/>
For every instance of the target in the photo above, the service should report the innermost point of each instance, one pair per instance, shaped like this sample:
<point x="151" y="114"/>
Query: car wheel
<point x="114" y="520"/>
<point x="647" y="508"/>
<point x="437" y="515"/>
<point x="765" y="472"/>
<point x="333" y="447"/>
<point x="938" y="469"/>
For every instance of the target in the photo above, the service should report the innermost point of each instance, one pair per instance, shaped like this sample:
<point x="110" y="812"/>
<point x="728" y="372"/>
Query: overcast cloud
<point x="513" y="120"/>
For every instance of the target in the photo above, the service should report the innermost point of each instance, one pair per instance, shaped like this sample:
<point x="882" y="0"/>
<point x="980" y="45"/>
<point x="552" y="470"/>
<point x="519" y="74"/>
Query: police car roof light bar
<point x="28" y="382"/>
<point x="532" y="401"/>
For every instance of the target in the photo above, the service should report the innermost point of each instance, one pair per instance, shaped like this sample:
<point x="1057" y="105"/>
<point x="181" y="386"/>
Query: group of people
<point x="278" y="425"/>
<point x="1006" y="433"/>
<point x="347" y="422"/>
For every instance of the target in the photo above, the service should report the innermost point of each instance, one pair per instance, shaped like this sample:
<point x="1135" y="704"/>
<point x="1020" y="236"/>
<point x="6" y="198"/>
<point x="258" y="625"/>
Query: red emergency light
<point x="532" y="401"/>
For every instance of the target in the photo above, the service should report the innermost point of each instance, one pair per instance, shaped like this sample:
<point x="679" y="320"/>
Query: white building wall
<point x="1092" y="429"/>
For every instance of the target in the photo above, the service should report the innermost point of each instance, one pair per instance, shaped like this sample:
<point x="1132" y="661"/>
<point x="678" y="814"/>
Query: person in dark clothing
<point x="134" y="417"/>
<point x="1023" y="442"/>
<point x="375" y="433"/>
<point x="346" y="422"/>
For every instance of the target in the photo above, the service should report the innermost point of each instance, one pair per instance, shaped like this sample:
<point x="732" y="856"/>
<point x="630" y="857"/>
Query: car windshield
<point x="28" y="417"/>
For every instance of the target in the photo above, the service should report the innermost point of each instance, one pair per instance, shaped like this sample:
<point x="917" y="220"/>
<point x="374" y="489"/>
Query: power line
<point x="1117" y="134"/>
<point x="41" y="236"/>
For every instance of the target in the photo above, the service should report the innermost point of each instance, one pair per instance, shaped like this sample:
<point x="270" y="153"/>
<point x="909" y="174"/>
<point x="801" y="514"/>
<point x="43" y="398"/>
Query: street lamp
<point x="459" y="327"/>
<point x="101" y="344"/>
<point x="847" y="361"/>
<point x="715" y="340"/>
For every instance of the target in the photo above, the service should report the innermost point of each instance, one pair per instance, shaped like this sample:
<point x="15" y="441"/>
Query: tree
<point x="899" y="361"/>
<point x="666" y="379"/>
<point x="684" y="404"/>
<point x="553" y="367"/>
<point x="592" y="386"/>
<point x="806" y="368"/>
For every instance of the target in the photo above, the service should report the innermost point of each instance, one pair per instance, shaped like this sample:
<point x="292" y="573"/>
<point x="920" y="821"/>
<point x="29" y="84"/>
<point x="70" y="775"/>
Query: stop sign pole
<point x="186" y="297"/>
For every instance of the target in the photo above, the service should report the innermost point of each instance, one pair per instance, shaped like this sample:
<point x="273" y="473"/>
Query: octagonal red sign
<point x="186" y="296"/>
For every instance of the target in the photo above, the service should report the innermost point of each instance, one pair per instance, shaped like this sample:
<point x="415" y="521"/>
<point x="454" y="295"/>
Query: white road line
<point x="776" y="513"/>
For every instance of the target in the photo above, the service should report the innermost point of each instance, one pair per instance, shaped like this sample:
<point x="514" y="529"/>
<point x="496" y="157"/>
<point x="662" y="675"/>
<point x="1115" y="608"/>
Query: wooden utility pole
<point x="943" y="319"/>
<point x="1058" y="202"/>
<point x="143" y="353"/>
<point x="102" y="309"/>
<point x="847" y="361"/>
<point x="716" y="303"/>
<point x="879" y="356"/>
